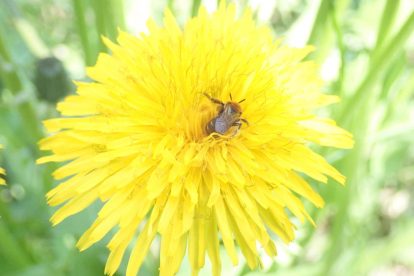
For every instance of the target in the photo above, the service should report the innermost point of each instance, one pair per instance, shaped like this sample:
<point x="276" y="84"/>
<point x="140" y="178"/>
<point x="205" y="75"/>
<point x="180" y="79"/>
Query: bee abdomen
<point x="210" y="127"/>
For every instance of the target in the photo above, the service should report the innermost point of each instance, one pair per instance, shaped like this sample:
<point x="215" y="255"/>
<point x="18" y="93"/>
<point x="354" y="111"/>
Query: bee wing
<point x="223" y="123"/>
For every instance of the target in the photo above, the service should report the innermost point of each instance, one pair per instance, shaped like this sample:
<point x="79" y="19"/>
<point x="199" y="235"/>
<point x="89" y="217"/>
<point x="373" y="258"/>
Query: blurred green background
<point x="366" y="56"/>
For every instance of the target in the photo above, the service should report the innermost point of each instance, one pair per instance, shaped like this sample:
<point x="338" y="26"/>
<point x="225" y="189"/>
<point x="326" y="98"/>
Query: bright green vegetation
<point x="366" y="55"/>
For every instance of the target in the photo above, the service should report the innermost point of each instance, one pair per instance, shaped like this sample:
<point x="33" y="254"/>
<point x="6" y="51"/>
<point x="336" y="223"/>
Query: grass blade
<point x="387" y="21"/>
<point x="384" y="59"/>
<point x="320" y="23"/>
<point x="11" y="250"/>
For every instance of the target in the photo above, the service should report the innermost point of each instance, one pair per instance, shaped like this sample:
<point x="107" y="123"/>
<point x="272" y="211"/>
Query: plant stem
<point x="119" y="15"/>
<point x="14" y="84"/>
<point x="338" y="31"/>
<point x="79" y="7"/>
<point x="29" y="117"/>
<point x="195" y="7"/>
<point x="110" y="19"/>
<point x="100" y="20"/>
<point x="171" y="5"/>
<point x="352" y="166"/>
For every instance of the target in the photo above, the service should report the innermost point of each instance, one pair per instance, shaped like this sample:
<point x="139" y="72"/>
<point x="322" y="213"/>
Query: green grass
<point x="365" y="227"/>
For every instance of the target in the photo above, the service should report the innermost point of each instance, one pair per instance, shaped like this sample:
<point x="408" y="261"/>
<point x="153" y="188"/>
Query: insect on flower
<point x="228" y="116"/>
<point x="139" y="146"/>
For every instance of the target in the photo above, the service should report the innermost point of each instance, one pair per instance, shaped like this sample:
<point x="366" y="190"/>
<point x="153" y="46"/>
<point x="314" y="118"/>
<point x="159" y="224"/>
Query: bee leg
<point x="213" y="100"/>
<point x="238" y="124"/>
<point x="244" y="120"/>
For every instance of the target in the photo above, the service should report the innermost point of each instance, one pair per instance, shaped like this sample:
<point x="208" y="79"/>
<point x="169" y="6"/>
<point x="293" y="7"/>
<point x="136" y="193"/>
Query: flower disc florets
<point x="138" y="142"/>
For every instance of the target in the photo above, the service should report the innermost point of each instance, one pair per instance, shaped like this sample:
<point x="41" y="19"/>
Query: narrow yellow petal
<point x="278" y="224"/>
<point x="226" y="234"/>
<point x="75" y="205"/>
<point x="68" y="186"/>
<point x="250" y="255"/>
<point x="168" y="213"/>
<point x="116" y="201"/>
<point x="213" y="245"/>
<point x="188" y="213"/>
<point x="197" y="245"/>
<point x="141" y="249"/>
<point x="215" y="191"/>
<point x="236" y="172"/>
<point x="173" y="262"/>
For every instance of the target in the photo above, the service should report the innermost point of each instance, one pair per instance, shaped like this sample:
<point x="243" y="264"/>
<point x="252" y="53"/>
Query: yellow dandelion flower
<point x="2" y="171"/>
<point x="139" y="142"/>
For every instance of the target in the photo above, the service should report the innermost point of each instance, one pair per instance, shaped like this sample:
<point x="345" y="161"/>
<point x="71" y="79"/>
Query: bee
<point x="228" y="116"/>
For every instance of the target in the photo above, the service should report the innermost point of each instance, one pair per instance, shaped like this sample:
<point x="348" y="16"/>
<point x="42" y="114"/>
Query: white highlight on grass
<point x="138" y="12"/>
<point x="330" y="68"/>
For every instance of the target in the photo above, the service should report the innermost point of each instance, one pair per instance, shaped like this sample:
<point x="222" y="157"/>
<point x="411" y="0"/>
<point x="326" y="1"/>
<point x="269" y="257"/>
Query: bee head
<point x="234" y="107"/>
